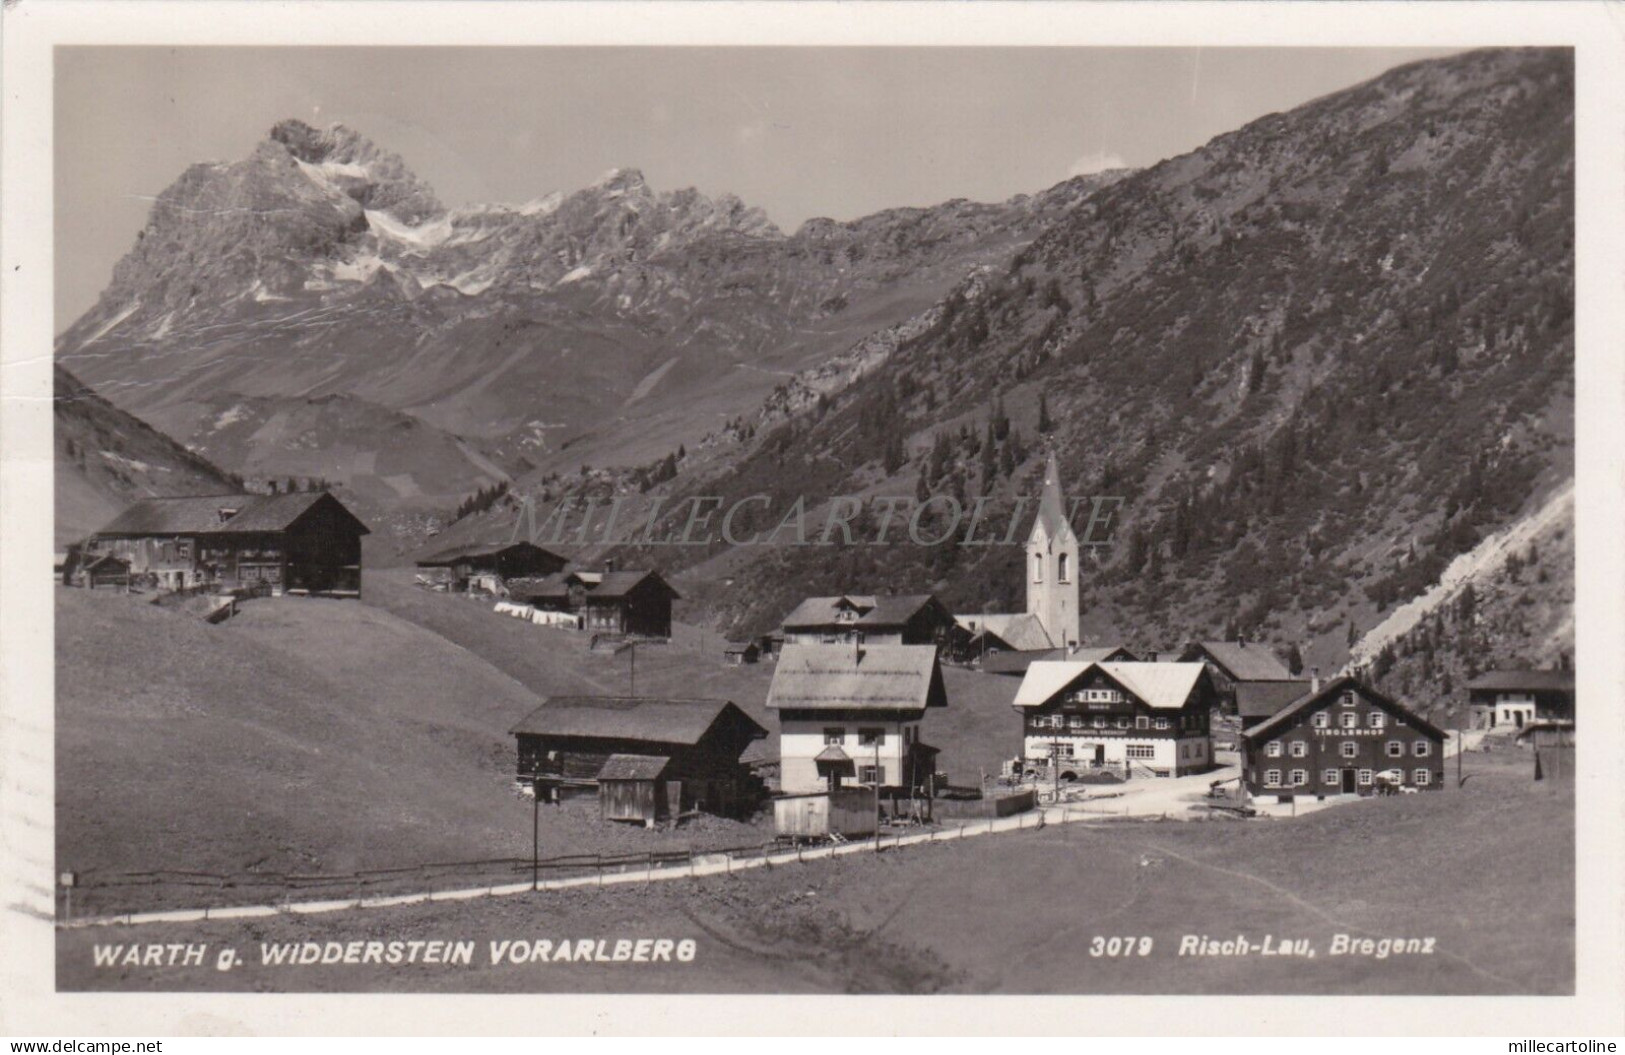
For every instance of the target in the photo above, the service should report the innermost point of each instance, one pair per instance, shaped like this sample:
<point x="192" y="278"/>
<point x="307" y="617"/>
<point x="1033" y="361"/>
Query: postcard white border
<point x="30" y="1005"/>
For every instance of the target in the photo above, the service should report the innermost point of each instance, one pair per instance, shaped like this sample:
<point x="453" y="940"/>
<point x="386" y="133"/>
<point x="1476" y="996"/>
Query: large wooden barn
<point x="304" y="542"/>
<point x="1344" y="738"/>
<point x="633" y="603"/>
<point x="647" y="758"/>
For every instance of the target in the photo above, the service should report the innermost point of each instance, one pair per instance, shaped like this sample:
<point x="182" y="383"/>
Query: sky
<point x="801" y="132"/>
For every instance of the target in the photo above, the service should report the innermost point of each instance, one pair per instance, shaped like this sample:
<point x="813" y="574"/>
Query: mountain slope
<point x="1319" y="357"/>
<point x="106" y="459"/>
<point x="616" y="320"/>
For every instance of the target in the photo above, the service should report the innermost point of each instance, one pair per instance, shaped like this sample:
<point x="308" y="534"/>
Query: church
<point x="1050" y="623"/>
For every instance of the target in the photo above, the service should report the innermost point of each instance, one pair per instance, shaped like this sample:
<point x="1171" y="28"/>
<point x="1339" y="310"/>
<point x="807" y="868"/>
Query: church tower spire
<point x="1052" y="563"/>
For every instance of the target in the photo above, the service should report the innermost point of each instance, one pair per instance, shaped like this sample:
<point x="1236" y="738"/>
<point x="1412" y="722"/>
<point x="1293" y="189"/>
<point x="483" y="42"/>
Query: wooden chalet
<point x="303" y="542"/>
<point x="1079" y="716"/>
<point x="630" y="604"/>
<point x="1514" y="699"/>
<point x="1231" y="663"/>
<point x="878" y="619"/>
<point x="852" y="713"/>
<point x="1257" y="700"/>
<point x="1344" y="738"/>
<point x="489" y="565"/>
<point x="647" y="758"/>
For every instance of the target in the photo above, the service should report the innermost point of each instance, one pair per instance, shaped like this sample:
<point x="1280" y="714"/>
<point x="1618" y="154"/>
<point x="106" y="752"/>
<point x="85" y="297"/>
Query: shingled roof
<point x="857" y="678"/>
<point x="617" y="584"/>
<point x="1051" y="506"/>
<point x="1022" y="631"/>
<point x="1161" y="685"/>
<point x="1257" y="700"/>
<point x="1312" y="700"/>
<point x="874" y="610"/>
<point x="206" y="514"/>
<point x="647" y="718"/>
<point x="1523" y="681"/>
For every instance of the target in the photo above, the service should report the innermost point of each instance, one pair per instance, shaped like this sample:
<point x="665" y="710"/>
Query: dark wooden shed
<point x="646" y="757"/>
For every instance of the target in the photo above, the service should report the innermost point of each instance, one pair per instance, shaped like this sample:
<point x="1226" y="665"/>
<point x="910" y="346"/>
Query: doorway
<point x="1348" y="781"/>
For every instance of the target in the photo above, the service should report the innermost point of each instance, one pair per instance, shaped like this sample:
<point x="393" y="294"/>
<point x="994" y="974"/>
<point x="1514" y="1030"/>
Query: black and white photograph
<point x="896" y="520"/>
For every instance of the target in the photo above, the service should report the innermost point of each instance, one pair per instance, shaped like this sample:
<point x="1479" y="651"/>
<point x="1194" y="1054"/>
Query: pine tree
<point x="1045" y="425"/>
<point x="1294" y="661"/>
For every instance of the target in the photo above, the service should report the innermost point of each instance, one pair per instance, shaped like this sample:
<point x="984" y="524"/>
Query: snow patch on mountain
<point x="107" y="327"/>
<point x="425" y="236"/>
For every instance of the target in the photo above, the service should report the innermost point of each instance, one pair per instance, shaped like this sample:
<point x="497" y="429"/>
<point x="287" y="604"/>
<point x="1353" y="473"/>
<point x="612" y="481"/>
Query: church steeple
<point x="1052" y="563"/>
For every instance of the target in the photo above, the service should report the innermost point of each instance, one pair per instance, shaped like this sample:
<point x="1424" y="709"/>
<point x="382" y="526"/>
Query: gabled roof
<point x="1523" y="681"/>
<point x="1254" y="662"/>
<point x="647" y="718"/>
<point x="832" y="753"/>
<point x="733" y="647"/>
<point x="1051" y="506"/>
<point x="1018" y="662"/>
<point x="874" y="610"/>
<point x="1257" y="700"/>
<point x="1310" y="701"/>
<point x="1022" y="631"/>
<point x="532" y="587"/>
<point x="634" y="767"/>
<point x="847" y="677"/>
<point x="202" y="514"/>
<point x="617" y="584"/>
<point x="1158" y="684"/>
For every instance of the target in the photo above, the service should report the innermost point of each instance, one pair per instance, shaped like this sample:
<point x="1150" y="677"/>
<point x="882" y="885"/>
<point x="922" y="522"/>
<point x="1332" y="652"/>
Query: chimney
<point x="857" y="647"/>
<point x="1241" y="640"/>
<point x="1151" y="655"/>
<point x="609" y="565"/>
<point x="1314" y="679"/>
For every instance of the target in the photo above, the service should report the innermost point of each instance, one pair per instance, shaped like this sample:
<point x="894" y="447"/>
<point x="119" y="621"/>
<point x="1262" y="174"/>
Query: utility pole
<point x="1461" y="748"/>
<point x="535" y="832"/>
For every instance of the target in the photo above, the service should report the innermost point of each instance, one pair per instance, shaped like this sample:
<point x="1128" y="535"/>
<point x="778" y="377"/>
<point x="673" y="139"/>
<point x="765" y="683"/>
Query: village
<point x="841" y="746"/>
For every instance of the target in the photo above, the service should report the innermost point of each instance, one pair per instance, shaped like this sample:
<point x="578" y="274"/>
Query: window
<point x="1162" y="723"/>
<point x="1272" y="778"/>
<point x="1376" y="719"/>
<point x="1038" y="567"/>
<point x="1300" y="778"/>
<point x="1122" y="723"/>
<point x="1350" y="720"/>
<point x="1142" y="722"/>
<point x="1062" y="750"/>
<point x="1184" y="750"/>
<point x="1061" y="570"/>
<point x="871" y="737"/>
<point x="1365" y="778"/>
<point x="835" y="736"/>
<point x="1273" y="749"/>
<point x="1423" y="749"/>
<point x="1395" y="749"/>
<point x="1075" y="722"/>
<point x="1329" y="776"/>
<point x="1349" y="749"/>
<point x="871" y="774"/>
<point x="910" y="734"/>
<point x="1421" y="777"/>
<point x="1300" y="749"/>
<point x="1100" y="722"/>
<point x="1140" y="751"/>
<point x="1322" y="720"/>
<point x="1347" y="700"/>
